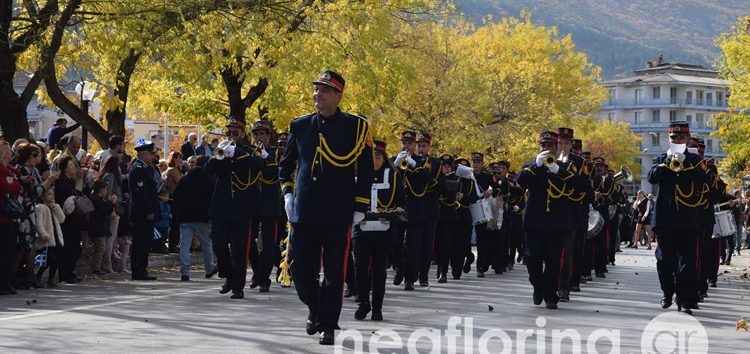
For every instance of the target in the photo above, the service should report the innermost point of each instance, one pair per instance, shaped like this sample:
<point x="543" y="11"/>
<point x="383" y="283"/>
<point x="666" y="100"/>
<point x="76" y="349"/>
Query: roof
<point x="668" y="78"/>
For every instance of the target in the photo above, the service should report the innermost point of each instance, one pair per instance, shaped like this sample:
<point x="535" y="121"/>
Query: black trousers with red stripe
<point x="265" y="229"/>
<point x="543" y="260"/>
<point x="310" y="244"/>
<point x="230" y="240"/>
<point x="708" y="261"/>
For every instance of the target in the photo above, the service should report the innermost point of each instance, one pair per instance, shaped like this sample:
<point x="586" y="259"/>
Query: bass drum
<point x="596" y="223"/>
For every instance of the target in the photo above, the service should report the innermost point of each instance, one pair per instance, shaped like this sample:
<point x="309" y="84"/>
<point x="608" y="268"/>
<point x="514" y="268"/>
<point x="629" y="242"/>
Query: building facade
<point x="659" y="94"/>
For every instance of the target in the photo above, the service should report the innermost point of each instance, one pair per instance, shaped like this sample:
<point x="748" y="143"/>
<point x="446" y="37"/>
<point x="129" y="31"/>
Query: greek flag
<point x="41" y="259"/>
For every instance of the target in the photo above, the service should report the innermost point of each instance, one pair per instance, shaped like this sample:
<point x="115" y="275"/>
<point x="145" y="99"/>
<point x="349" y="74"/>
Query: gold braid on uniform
<point x="682" y="198"/>
<point x="274" y="179"/>
<point x="407" y="184"/>
<point x="556" y="193"/>
<point x="238" y="184"/>
<point x="389" y="205"/>
<point x="324" y="151"/>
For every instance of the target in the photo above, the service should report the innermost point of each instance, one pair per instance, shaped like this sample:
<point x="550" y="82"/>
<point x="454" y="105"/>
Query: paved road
<point x="173" y="316"/>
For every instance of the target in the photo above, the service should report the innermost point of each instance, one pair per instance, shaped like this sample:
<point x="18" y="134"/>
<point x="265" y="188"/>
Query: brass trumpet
<point x="675" y="164"/>
<point x="220" y="152"/>
<point x="403" y="164"/>
<point x="550" y="160"/>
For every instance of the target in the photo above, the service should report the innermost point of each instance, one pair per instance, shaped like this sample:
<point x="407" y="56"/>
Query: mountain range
<point x="620" y="36"/>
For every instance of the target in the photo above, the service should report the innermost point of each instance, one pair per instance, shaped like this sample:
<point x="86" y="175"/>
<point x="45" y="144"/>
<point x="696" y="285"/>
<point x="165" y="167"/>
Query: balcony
<point x="646" y="127"/>
<point x="668" y="102"/>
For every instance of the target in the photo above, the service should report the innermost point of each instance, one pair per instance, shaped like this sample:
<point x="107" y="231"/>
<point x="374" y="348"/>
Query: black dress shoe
<point x="551" y="306"/>
<point x="349" y="293"/>
<point x="589" y="278"/>
<point x="456" y="277"/>
<point x="210" y="274"/>
<point x="362" y="311"/>
<point x="442" y="279"/>
<point x="713" y="283"/>
<point x="326" y="338"/>
<point x="398" y="278"/>
<point x="467" y="268"/>
<point x="253" y="283"/>
<point x="424" y="284"/>
<point x="377" y="315"/>
<point x="480" y="274"/>
<point x="666" y="302"/>
<point x="564" y="295"/>
<point x="237" y="294"/>
<point x="575" y="288"/>
<point x="4" y="292"/>
<point x="538" y="298"/>
<point x="310" y="327"/>
<point x="600" y="275"/>
<point x="408" y="286"/>
<point x="143" y="277"/>
<point x="225" y="288"/>
<point x="265" y="289"/>
<point x="185" y="278"/>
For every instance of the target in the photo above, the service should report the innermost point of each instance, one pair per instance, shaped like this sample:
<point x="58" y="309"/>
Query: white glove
<point x="358" y="217"/>
<point x="401" y="155"/>
<point x="288" y="204"/>
<point x="516" y="208"/>
<point x="540" y="158"/>
<point x="411" y="161"/>
<point x="229" y="151"/>
<point x="554" y="169"/>
<point x="263" y="153"/>
<point x="680" y="156"/>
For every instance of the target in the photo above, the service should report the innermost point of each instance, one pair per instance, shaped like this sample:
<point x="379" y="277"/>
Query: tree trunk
<point x="13" y="118"/>
<point x="116" y="117"/>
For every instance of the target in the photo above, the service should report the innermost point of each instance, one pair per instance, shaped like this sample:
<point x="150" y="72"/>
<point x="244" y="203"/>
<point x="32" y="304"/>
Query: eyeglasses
<point x="234" y="133"/>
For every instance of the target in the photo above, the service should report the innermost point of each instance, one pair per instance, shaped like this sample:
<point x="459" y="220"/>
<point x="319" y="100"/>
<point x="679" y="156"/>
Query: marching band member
<point x="264" y="248"/>
<point x="326" y="177"/>
<point x="371" y="247"/>
<point x="676" y="219"/>
<point x="708" y="247"/>
<point x="416" y="172"/>
<point x="484" y="241"/>
<point x="435" y="184"/>
<point x="548" y="217"/>
<point x="581" y="227"/>
<point x="578" y="213"/>
<point x="465" y="196"/>
<point x="446" y="240"/>
<point x="587" y="257"/>
<point x="233" y="203"/>
<point x="515" y="203"/>
<point x="604" y="188"/>
<point x="500" y="237"/>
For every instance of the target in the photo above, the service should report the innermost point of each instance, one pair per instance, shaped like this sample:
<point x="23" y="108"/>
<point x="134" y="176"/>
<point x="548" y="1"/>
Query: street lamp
<point x="86" y="93"/>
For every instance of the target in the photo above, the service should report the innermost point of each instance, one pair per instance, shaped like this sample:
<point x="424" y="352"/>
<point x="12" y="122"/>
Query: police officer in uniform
<point x="331" y="152"/>
<point x="235" y="201"/>
<point x="548" y="217"/>
<point x="432" y="213"/>
<point x="676" y="219"/>
<point x="265" y="248"/>
<point x="144" y="207"/>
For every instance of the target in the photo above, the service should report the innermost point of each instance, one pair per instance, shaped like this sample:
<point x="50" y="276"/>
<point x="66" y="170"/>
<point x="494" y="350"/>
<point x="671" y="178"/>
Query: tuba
<point x="623" y="175"/>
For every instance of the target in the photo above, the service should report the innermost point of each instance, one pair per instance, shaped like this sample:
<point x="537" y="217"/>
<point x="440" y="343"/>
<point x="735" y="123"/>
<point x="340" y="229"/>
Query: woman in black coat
<point x="65" y="187"/>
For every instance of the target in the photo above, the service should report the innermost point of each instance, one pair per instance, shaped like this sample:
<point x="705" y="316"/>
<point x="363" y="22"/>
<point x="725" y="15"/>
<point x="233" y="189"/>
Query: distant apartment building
<point x="661" y="93"/>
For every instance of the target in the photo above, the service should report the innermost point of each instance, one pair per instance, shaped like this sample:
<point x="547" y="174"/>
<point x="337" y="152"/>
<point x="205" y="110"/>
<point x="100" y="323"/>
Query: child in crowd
<point x="99" y="224"/>
<point x="162" y="224"/>
<point x="49" y="215"/>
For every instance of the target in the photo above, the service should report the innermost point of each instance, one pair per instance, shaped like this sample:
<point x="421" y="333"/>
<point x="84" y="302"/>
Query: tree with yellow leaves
<point x="734" y="127"/>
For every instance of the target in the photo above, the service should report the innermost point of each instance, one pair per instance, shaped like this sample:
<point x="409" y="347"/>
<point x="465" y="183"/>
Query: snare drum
<point x="724" y="225"/>
<point x="481" y="211"/>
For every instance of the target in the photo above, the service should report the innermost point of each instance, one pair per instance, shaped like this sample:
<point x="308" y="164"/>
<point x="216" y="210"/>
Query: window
<point x="699" y="97"/>
<point x="655" y="138"/>
<point x="709" y="145"/>
<point x="699" y="120"/>
<point x="637" y="117"/>
<point x="673" y="95"/>
<point x="610" y="116"/>
<point x="656" y="93"/>
<point x="655" y="116"/>
<point x="689" y="120"/>
<point x="638" y="96"/>
<point x="720" y="99"/>
<point x="612" y="97"/>
<point x="709" y="99"/>
<point x="672" y="116"/>
<point x="689" y="97"/>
